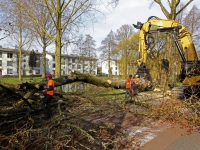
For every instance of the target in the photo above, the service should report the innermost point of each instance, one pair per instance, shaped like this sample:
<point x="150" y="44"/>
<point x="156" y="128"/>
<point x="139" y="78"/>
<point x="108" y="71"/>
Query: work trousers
<point x="128" y="92"/>
<point x="45" y="104"/>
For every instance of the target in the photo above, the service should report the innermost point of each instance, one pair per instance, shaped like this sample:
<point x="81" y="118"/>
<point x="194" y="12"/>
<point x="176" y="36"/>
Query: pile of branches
<point x="24" y="128"/>
<point x="21" y="126"/>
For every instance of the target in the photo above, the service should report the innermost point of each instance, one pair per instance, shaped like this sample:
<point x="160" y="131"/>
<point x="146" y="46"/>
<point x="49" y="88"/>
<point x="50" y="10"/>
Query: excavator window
<point x="192" y="69"/>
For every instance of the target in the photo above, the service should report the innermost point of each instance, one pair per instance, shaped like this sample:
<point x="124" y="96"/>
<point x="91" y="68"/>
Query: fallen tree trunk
<point x="20" y="96"/>
<point x="75" y="77"/>
<point x="32" y="88"/>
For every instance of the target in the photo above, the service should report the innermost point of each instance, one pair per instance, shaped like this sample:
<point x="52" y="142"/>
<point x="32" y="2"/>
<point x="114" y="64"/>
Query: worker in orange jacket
<point x="129" y="85"/>
<point x="137" y="79"/>
<point x="48" y="94"/>
<point x="136" y="85"/>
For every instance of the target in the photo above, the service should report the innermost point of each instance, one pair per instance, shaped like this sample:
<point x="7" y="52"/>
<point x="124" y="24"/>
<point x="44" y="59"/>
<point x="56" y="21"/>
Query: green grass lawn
<point x="15" y="80"/>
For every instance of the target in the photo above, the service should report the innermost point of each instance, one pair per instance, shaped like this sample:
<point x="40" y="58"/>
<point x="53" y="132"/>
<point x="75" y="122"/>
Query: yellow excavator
<point x="190" y="65"/>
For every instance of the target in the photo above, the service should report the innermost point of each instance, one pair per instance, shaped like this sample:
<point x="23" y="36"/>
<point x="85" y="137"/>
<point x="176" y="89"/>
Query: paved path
<point x="186" y="142"/>
<point x="175" y="138"/>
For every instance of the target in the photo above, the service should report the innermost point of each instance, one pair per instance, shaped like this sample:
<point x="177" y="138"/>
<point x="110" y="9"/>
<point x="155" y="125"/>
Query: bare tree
<point x="172" y="5"/>
<point x="89" y="50"/>
<point x="126" y="46"/>
<point x="20" y="35"/>
<point x="6" y="30"/>
<point x="86" y="51"/>
<point x="68" y="17"/>
<point x="191" y="21"/>
<point x="180" y="17"/>
<point x="5" y="24"/>
<point x="41" y="37"/>
<point x="106" y="48"/>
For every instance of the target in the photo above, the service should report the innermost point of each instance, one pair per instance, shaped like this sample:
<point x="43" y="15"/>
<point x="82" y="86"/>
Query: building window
<point x="79" y="66"/>
<point x="115" y="68"/>
<point x="9" y="55"/>
<point x="63" y="62"/>
<point x="73" y="60"/>
<point x="53" y="58"/>
<point x="9" y="71"/>
<point x="54" y="65"/>
<point x="73" y="66"/>
<point x="0" y="62"/>
<point x="0" y="54"/>
<point x="37" y="64"/>
<point x="9" y="63"/>
<point x="37" y="71"/>
<point x="38" y="57"/>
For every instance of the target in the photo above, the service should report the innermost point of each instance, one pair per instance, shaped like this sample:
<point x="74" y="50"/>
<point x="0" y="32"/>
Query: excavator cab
<point x="190" y="78"/>
<point x="190" y="73"/>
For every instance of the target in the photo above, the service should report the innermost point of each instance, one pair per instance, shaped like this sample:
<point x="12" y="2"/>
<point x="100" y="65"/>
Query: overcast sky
<point x="127" y="12"/>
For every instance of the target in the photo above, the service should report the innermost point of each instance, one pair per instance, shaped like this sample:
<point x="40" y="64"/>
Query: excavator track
<point x="186" y="92"/>
<point x="179" y="92"/>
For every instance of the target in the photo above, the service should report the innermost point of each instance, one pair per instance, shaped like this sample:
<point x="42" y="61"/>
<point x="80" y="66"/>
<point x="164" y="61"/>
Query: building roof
<point x="36" y="51"/>
<point x="16" y="50"/>
<point x="73" y="56"/>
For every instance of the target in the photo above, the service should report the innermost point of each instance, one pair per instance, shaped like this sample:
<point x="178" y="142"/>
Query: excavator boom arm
<point x="186" y="49"/>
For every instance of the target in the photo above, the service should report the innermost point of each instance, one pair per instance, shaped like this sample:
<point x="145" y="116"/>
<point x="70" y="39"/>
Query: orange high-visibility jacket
<point x="129" y="82"/>
<point x="137" y="80"/>
<point x="50" y="83"/>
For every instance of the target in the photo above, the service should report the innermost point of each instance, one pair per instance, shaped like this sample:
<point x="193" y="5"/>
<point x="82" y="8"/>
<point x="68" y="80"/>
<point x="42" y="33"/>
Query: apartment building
<point x="72" y="62"/>
<point x="114" y="66"/>
<point x="9" y="63"/>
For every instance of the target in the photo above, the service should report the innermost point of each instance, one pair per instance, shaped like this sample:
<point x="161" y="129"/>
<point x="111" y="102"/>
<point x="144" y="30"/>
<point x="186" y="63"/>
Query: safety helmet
<point x="136" y="76"/>
<point x="48" y="75"/>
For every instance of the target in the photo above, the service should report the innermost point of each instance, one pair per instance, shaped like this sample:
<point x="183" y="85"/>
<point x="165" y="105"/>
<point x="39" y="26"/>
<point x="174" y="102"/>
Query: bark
<point x="173" y="4"/>
<point x="32" y="88"/>
<point x="19" y="112"/>
<point x="17" y="94"/>
<point x="75" y="77"/>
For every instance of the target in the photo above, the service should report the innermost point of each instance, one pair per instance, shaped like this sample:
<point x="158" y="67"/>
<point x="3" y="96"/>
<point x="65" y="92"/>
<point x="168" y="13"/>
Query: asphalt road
<point x="186" y="142"/>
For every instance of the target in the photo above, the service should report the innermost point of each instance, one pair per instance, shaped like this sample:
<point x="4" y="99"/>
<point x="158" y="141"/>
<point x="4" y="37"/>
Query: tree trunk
<point x="75" y="77"/>
<point x="44" y="60"/>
